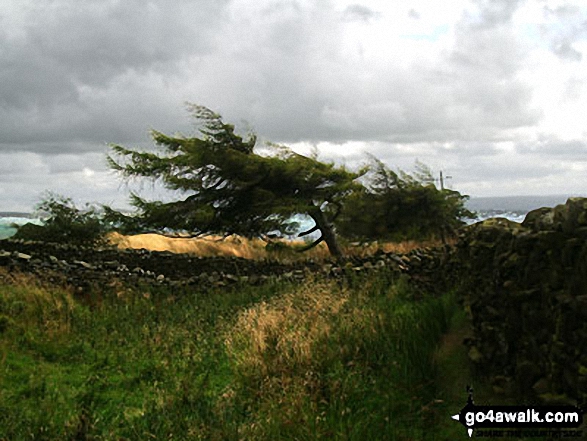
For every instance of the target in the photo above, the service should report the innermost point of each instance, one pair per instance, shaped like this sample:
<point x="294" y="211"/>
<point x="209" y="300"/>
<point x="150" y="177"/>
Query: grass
<point x="234" y="246"/>
<point x="320" y="360"/>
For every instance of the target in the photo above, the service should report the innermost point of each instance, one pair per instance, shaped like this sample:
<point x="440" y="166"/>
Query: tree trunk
<point x="327" y="230"/>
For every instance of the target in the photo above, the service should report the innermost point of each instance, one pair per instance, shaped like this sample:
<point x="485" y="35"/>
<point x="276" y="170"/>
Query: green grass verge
<point x="319" y="360"/>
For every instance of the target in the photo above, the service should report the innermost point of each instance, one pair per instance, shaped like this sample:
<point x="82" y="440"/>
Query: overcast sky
<point x="492" y="92"/>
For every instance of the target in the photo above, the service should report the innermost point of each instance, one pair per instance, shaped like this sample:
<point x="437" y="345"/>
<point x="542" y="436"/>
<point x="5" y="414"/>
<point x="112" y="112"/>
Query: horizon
<point x="521" y="199"/>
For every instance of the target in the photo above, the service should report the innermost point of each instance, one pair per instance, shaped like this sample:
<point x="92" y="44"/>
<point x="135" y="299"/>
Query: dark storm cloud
<point x="65" y="45"/>
<point x="78" y="78"/>
<point x="66" y="72"/>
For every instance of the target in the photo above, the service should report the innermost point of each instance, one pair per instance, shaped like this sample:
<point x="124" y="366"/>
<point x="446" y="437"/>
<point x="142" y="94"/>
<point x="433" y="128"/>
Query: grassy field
<point x="319" y="360"/>
<point x="235" y="246"/>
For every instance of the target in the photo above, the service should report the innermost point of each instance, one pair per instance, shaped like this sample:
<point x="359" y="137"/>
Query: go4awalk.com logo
<point x="519" y="417"/>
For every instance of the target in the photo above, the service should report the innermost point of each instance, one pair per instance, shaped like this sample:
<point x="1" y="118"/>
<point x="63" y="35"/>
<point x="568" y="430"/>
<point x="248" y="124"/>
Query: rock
<point x="111" y="264"/>
<point x="539" y="219"/>
<point x="571" y="215"/>
<point x="231" y="278"/>
<point x="85" y="265"/>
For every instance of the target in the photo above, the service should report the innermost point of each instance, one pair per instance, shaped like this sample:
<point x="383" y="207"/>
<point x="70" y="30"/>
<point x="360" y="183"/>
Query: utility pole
<point x="442" y="180"/>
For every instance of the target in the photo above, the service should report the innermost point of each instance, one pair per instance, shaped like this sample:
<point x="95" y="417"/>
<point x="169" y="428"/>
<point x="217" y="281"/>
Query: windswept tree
<point x="226" y="187"/>
<point x="399" y="205"/>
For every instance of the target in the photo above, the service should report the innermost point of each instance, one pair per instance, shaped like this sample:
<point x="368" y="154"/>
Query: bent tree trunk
<point x="326" y="230"/>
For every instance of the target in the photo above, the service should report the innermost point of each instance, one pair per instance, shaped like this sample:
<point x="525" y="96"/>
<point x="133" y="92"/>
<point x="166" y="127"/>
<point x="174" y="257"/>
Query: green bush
<point x="63" y="222"/>
<point x="402" y="206"/>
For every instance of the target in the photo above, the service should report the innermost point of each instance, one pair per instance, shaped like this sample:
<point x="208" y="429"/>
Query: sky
<point x="491" y="92"/>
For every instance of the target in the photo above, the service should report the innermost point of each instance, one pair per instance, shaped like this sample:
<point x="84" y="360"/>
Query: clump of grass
<point x="27" y="305"/>
<point x="329" y="362"/>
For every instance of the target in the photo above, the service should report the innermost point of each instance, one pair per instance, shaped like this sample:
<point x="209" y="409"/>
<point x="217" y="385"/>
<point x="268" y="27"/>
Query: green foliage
<point x="346" y="363"/>
<point x="63" y="222"/>
<point x="397" y="206"/>
<point x="228" y="188"/>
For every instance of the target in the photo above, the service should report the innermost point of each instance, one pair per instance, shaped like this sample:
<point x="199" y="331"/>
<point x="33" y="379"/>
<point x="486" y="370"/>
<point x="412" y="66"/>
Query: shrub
<point x="63" y="222"/>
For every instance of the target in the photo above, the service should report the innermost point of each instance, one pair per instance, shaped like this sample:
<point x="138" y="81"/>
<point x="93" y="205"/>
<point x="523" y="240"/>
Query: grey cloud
<point x="412" y="13"/>
<point x="359" y="12"/>
<point x="550" y="146"/>
<point x="101" y="72"/>
<point x="482" y="69"/>
<point x="565" y="50"/>
<point x="303" y="87"/>
<point x="494" y="13"/>
<point x="470" y="149"/>
<point x="75" y="162"/>
<point x="566" y="25"/>
<point x="503" y="170"/>
<point x="122" y="113"/>
<point x="77" y="75"/>
<point x="64" y="45"/>
<point x="573" y="88"/>
<point x="20" y="164"/>
<point x="25" y="177"/>
<point x="289" y="76"/>
<point x="37" y="165"/>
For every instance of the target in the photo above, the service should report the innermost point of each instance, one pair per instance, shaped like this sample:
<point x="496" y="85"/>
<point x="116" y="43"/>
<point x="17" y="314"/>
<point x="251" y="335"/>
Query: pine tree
<point x="226" y="187"/>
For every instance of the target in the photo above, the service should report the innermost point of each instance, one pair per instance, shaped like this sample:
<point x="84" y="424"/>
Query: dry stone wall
<point x="525" y="287"/>
<point x="85" y="268"/>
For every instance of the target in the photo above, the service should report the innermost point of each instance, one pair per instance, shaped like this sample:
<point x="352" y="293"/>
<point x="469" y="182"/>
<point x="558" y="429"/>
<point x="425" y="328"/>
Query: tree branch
<point x="311" y="230"/>
<point x="312" y="245"/>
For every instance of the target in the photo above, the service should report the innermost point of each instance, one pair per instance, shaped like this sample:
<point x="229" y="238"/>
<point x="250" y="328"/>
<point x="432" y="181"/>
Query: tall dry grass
<point x="27" y="304"/>
<point x="331" y="362"/>
<point x="235" y="246"/>
<point x="274" y="338"/>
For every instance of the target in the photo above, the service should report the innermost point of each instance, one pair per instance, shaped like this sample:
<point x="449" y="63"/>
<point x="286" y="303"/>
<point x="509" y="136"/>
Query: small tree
<point x="399" y="205"/>
<point x="228" y="188"/>
<point x="63" y="222"/>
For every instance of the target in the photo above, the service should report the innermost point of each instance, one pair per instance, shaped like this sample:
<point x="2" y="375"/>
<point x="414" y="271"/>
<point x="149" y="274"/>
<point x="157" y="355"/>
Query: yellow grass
<point x="231" y="246"/>
<point x="274" y="336"/>
<point x="31" y="302"/>
<point x="235" y="246"/>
